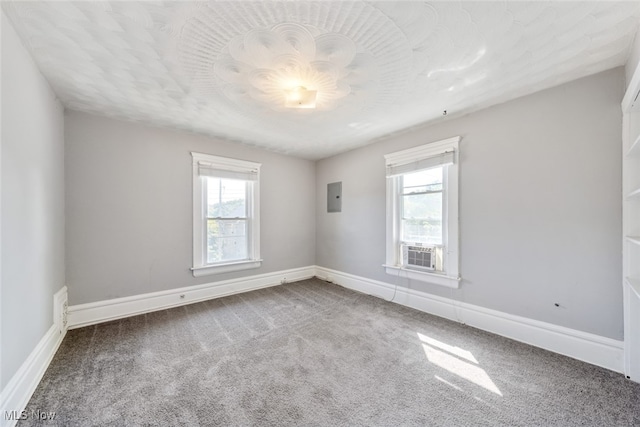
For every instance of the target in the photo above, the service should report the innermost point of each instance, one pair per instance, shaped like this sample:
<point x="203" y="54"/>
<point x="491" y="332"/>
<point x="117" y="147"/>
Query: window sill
<point x="423" y="276"/>
<point x="225" y="268"/>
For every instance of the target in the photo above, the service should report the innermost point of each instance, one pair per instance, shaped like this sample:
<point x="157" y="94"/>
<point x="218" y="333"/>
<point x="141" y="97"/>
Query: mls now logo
<point x="24" y="415"/>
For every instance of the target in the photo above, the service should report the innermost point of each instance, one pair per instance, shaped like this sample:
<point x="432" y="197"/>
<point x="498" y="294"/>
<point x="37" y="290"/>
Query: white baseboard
<point x="103" y="311"/>
<point x="590" y="348"/>
<point x="20" y="388"/>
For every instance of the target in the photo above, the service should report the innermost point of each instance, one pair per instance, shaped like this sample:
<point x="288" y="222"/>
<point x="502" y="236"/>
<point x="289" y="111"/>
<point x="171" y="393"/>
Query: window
<point x="422" y="213"/>
<point x="226" y="215"/>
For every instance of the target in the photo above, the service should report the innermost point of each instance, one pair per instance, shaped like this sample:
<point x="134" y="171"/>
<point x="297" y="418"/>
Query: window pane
<point x="226" y="198"/>
<point x="226" y="240"/>
<point x="422" y="231"/>
<point x="420" y="182"/>
<point x="421" y="207"/>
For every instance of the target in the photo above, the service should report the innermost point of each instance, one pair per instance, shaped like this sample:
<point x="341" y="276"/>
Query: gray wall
<point x="540" y="206"/>
<point x="32" y="213"/>
<point x="129" y="208"/>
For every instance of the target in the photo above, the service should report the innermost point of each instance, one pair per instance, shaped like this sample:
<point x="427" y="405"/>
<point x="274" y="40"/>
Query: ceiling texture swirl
<point x="226" y="69"/>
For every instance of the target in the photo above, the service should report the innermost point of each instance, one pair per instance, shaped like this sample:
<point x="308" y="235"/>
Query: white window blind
<point x="441" y="159"/>
<point x="208" y="169"/>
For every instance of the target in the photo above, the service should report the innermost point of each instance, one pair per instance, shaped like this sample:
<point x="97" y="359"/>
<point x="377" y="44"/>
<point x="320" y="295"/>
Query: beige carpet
<point x="312" y="353"/>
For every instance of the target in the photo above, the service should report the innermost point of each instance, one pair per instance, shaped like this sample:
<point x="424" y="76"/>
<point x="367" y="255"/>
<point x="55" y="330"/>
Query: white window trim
<point x="393" y="264"/>
<point x="200" y="267"/>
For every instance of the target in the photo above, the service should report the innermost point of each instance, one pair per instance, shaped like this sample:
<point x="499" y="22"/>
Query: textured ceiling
<point x="221" y="68"/>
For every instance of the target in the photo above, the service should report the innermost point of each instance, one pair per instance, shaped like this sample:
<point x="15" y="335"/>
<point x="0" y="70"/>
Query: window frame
<point x="450" y="276"/>
<point x="200" y="266"/>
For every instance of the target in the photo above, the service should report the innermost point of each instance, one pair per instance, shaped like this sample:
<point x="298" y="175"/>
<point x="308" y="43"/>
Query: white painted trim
<point x="225" y="268"/>
<point x="103" y="311"/>
<point x="634" y="285"/>
<point x="631" y="100"/>
<point x="590" y="348"/>
<point x="421" y="151"/>
<point x="630" y="223"/>
<point x="423" y="276"/>
<point x="634" y="149"/>
<point x="20" y="388"/>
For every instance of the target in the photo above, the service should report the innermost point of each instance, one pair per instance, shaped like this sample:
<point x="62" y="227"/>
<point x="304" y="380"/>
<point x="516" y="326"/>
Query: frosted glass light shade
<point x="300" y="97"/>
<point x="293" y="66"/>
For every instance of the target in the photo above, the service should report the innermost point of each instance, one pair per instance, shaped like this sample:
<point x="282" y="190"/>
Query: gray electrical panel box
<point x="334" y="197"/>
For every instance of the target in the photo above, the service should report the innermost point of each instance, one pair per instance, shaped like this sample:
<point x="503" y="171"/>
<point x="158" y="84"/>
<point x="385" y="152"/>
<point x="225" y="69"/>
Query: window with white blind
<point x="226" y="214"/>
<point x="422" y="213"/>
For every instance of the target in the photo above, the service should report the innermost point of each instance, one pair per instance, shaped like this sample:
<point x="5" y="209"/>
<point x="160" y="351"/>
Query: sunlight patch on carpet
<point x="447" y="383"/>
<point x="458" y="361"/>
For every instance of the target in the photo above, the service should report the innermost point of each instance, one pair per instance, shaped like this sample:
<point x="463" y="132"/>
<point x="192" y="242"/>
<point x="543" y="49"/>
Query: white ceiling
<point x="379" y="67"/>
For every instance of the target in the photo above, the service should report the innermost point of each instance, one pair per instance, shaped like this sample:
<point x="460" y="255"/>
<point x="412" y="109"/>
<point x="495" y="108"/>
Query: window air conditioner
<point x="419" y="256"/>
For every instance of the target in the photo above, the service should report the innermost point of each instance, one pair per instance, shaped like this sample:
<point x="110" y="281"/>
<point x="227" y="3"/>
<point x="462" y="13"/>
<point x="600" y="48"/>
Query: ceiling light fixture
<point x="300" y="97"/>
<point x="291" y="66"/>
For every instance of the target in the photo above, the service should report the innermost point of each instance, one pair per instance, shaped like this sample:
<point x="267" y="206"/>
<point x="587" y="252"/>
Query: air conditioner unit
<point x="419" y="256"/>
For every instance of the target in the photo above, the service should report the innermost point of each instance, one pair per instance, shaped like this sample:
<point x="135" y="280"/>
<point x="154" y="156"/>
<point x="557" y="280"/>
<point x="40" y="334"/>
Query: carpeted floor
<point x="311" y="353"/>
